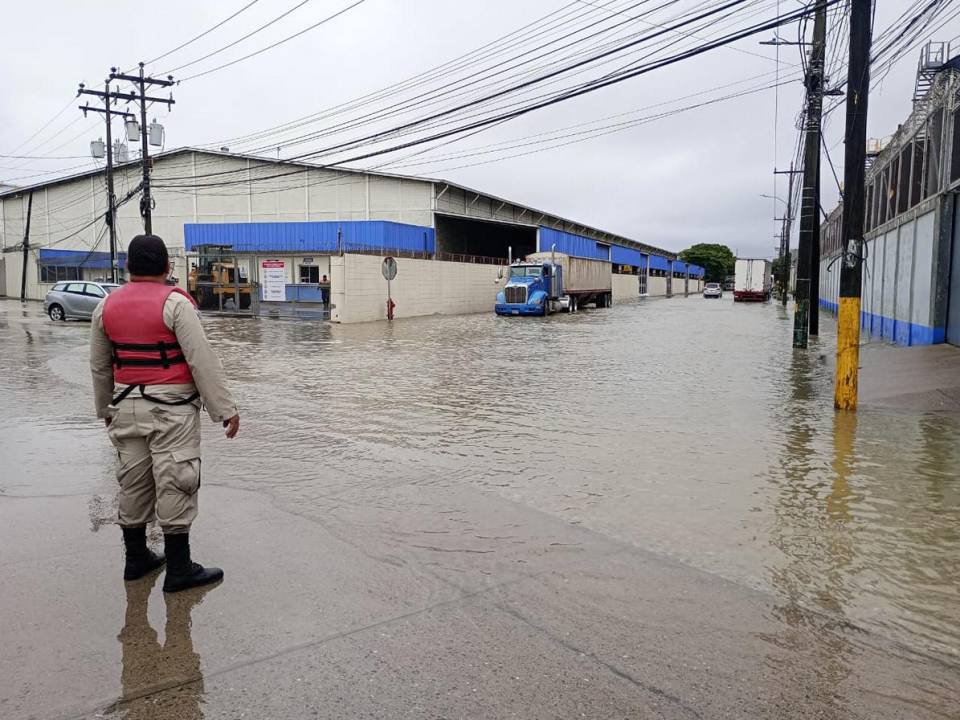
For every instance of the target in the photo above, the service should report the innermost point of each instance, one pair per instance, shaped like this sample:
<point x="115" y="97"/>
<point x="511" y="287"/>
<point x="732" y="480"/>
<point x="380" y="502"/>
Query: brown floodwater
<point x="681" y="426"/>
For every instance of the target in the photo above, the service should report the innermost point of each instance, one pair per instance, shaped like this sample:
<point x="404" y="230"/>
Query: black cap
<point x="147" y="255"/>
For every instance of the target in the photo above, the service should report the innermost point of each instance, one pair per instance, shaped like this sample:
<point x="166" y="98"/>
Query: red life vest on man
<point x="145" y="350"/>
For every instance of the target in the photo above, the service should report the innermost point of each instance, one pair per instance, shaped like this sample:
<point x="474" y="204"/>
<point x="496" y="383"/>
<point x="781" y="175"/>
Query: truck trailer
<point x="548" y="282"/>
<point x="752" y="279"/>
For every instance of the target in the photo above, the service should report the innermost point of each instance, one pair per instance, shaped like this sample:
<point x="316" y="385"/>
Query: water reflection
<point x="149" y="667"/>
<point x="680" y="426"/>
<point x="811" y="530"/>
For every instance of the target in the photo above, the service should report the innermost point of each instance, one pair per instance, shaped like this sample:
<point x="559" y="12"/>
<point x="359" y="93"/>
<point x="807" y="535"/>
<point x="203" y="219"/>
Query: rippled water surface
<point x="683" y="426"/>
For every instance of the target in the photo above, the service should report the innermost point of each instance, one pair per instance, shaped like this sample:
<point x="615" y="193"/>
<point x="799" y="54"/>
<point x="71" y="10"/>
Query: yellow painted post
<point x="848" y="353"/>
<point x="851" y="271"/>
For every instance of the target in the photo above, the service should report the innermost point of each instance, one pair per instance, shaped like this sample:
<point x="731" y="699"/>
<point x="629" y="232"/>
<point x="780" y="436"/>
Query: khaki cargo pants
<point x="158" y="447"/>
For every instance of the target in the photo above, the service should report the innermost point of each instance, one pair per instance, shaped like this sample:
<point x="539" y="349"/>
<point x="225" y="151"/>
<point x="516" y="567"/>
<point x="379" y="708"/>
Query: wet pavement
<point x="648" y="511"/>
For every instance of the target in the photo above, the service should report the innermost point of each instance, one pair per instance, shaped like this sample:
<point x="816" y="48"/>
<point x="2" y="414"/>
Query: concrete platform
<point x="347" y="612"/>
<point x="916" y="379"/>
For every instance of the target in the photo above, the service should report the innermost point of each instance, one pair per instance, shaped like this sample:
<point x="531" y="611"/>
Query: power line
<point x="278" y="43"/>
<point x="42" y="128"/>
<point x="204" y="33"/>
<point x="586" y="87"/>
<point x="559" y="97"/>
<point x="237" y="42"/>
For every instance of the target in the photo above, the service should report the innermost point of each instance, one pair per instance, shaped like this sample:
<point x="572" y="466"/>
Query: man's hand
<point x="233" y="426"/>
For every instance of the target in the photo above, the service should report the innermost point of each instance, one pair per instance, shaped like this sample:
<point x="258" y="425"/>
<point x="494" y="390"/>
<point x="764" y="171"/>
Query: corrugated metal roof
<point x="78" y="258"/>
<point x="275" y="161"/>
<point x="332" y="236"/>
<point x="627" y="256"/>
<point x="658" y="262"/>
<point x="573" y="245"/>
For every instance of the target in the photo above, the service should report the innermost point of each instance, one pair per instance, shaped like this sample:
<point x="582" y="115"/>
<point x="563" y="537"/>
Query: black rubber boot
<point x="141" y="560"/>
<point x="182" y="572"/>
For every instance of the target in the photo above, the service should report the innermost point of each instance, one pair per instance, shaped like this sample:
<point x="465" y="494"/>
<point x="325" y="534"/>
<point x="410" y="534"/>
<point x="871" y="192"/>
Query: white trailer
<point x="753" y="279"/>
<point x="584" y="281"/>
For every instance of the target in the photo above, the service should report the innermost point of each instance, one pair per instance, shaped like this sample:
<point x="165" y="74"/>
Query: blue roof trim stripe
<point x="573" y="245"/>
<point x="330" y="236"/>
<point x="620" y="255"/>
<point x="658" y="262"/>
<point x="78" y="258"/>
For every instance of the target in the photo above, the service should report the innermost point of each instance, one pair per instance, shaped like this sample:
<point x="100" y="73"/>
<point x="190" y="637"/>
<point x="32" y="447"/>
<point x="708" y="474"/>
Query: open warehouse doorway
<point x="462" y="238"/>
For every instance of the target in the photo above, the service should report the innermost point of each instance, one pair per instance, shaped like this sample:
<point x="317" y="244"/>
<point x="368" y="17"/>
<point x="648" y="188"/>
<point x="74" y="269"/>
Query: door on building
<point x="3" y="277"/>
<point x="953" y="308"/>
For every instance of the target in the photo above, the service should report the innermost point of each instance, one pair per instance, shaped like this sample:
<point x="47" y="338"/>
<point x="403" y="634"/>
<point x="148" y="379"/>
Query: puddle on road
<point x="683" y="427"/>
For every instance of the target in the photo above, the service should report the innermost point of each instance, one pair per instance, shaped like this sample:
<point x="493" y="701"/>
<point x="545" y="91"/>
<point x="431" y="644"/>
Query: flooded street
<point x="457" y="449"/>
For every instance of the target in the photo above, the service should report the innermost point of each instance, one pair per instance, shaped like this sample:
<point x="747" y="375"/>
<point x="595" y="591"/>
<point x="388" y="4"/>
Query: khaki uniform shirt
<point x="181" y="317"/>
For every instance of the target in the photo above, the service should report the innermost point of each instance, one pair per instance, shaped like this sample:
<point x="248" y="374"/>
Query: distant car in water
<point x="712" y="290"/>
<point x="75" y="299"/>
<point x="729" y="284"/>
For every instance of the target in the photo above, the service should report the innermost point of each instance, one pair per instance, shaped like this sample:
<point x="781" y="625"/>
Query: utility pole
<point x="110" y="217"/>
<point x="26" y="250"/>
<point x="785" y="236"/>
<point x="851" y="271"/>
<point x="809" y="200"/>
<point x="814" y="318"/>
<point x="141" y="82"/>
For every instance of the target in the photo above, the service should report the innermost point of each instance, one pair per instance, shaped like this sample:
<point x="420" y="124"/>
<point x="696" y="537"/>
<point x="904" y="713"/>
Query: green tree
<point x="717" y="260"/>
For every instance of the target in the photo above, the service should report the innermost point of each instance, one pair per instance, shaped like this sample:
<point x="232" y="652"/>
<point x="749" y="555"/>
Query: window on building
<point x="934" y="134"/>
<point x="892" y="188"/>
<point x="309" y="274"/>
<point x="903" y="186"/>
<point x="884" y="190"/>
<point x="955" y="159"/>
<point x="916" y="182"/>
<point x="58" y="273"/>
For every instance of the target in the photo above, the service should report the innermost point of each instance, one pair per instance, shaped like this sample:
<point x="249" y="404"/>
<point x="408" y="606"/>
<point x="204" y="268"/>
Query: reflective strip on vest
<point x="145" y="350"/>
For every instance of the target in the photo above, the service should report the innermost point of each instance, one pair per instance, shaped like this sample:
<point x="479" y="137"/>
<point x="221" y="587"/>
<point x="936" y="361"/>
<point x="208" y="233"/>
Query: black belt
<point x="161" y="348"/>
<point x="129" y="389"/>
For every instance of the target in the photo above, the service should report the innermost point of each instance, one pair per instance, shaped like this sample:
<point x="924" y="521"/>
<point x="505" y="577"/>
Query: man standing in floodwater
<point x="152" y="366"/>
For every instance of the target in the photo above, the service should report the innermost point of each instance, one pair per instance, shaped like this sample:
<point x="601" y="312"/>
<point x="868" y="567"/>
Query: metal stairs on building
<point x="932" y="58"/>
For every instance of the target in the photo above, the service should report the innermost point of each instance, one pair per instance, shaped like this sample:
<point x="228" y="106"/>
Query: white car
<point x="712" y="290"/>
<point x="75" y="299"/>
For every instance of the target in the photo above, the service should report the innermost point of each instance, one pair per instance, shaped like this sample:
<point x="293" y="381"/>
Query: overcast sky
<point x="692" y="177"/>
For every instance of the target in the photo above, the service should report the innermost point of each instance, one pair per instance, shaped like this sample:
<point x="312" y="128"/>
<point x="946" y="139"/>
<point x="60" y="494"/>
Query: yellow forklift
<point x="214" y="279"/>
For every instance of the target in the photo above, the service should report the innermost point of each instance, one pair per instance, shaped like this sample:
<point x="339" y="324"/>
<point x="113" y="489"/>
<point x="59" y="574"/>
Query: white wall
<point x="625" y="287"/>
<point x="422" y="287"/>
<point x="898" y="274"/>
<point x="61" y="211"/>
<point x="656" y="286"/>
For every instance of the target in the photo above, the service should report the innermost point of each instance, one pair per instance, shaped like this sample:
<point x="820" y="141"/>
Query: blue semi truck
<point x="544" y="283"/>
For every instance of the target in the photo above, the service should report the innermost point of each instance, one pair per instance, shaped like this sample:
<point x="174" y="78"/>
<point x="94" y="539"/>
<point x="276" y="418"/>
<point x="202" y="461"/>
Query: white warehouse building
<point x="319" y="226"/>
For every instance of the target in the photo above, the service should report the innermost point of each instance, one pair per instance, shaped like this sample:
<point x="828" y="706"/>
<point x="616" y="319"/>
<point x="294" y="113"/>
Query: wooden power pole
<point x="851" y="271"/>
<point x="26" y="249"/>
<point x="809" y="196"/>
<point x="141" y="82"/>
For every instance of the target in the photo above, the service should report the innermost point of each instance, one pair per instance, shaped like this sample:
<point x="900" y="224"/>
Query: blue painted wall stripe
<point x="898" y="332"/>
<point x="313" y="236"/>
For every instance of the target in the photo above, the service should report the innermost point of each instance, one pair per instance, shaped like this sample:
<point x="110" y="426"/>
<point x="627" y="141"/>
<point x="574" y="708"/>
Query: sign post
<point x="274" y="276"/>
<point x="389" y="270"/>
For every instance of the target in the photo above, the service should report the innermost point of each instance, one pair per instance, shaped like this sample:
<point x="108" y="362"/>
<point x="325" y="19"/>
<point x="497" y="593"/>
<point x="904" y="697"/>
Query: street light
<point x="774" y="197"/>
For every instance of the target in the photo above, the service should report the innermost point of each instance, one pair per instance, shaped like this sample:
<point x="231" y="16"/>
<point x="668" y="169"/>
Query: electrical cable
<point x="237" y="42"/>
<point x="276" y="44"/>
<point x="203" y="34"/>
<point x="389" y="111"/>
<point x="560" y="97"/>
<point x="534" y="81"/>
<point x="42" y="127"/>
